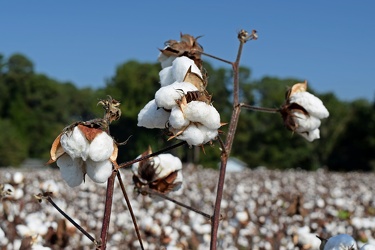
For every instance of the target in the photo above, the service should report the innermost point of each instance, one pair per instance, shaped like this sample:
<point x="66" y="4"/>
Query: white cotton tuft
<point x="101" y="148"/>
<point x="177" y="119"/>
<point x="209" y="134"/>
<point x="71" y="170"/>
<point x="168" y="164"/>
<point x="164" y="60"/>
<point x="203" y="113"/>
<point x="166" y="76"/>
<point x="75" y="144"/>
<point x="181" y="65"/>
<point x="192" y="135"/>
<point x="152" y="117"/>
<point x="99" y="171"/>
<point x="166" y="96"/>
<point x="311" y="135"/>
<point x="312" y="104"/>
<point x="305" y="122"/>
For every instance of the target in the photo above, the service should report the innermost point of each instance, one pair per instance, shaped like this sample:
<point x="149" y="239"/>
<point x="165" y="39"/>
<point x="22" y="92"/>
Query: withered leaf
<point x="56" y="150"/>
<point x="195" y="79"/>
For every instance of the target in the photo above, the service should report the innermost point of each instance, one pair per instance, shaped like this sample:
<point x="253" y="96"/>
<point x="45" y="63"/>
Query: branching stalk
<point x="130" y="209"/>
<point x="261" y="109"/>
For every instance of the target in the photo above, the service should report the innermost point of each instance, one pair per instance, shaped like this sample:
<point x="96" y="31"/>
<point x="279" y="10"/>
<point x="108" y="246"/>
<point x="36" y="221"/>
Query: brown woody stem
<point x="261" y="109"/>
<point x="49" y="199"/>
<point x="107" y="209"/>
<point x="228" y="146"/>
<point x="129" y="163"/>
<point x="153" y="192"/>
<point x="130" y="209"/>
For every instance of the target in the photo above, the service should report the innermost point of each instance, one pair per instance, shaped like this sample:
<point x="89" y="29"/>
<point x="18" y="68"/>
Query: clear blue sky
<point x="329" y="43"/>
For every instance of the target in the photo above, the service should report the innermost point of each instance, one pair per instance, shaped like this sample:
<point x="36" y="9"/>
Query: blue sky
<point x="329" y="43"/>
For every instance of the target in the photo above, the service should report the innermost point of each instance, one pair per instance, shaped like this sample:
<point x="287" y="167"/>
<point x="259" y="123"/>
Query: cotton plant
<point x="302" y="112"/>
<point x="86" y="148"/>
<point x="182" y="105"/>
<point x="161" y="173"/>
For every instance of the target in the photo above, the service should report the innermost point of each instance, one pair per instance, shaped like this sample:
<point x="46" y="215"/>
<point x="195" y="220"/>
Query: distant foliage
<point x="34" y="108"/>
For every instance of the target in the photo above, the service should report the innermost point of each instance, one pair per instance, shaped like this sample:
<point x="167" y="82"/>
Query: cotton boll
<point x="71" y="170"/>
<point x="305" y="122"/>
<point x="311" y="135"/>
<point x="75" y="144"/>
<point x="99" y="171"/>
<point x="181" y="65"/>
<point x="367" y="247"/>
<point x="165" y="61"/>
<point x="313" y="105"/>
<point x="192" y="135"/>
<point x="166" y="96"/>
<point x="152" y="117"/>
<point x="209" y="134"/>
<point x="166" y="76"/>
<point x="18" y="177"/>
<point x="203" y="113"/>
<point x="101" y="148"/>
<point x="177" y="119"/>
<point x="168" y="164"/>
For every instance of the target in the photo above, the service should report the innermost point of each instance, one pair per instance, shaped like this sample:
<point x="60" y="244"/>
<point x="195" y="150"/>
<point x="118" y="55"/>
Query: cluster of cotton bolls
<point x="262" y="209"/>
<point x="182" y="104"/>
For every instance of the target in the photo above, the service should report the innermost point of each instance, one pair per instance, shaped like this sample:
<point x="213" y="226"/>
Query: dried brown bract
<point x="187" y="46"/>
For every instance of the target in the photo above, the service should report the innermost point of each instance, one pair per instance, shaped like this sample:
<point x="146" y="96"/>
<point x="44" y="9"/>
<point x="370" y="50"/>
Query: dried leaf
<point x="56" y="150"/>
<point x="195" y="79"/>
<point x="166" y="184"/>
<point x="113" y="157"/>
<point x="298" y="87"/>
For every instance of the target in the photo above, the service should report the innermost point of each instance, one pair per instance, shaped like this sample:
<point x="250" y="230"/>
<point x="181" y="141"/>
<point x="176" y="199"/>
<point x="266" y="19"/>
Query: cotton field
<point x="261" y="209"/>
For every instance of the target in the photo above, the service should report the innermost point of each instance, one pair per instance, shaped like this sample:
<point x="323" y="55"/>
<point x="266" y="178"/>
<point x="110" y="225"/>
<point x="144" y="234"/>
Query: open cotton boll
<point x="181" y="65"/>
<point x="99" y="171"/>
<point x="311" y="135"/>
<point x="305" y="122"/>
<point x="209" y="134"/>
<point x="166" y="96"/>
<point x="152" y="117"/>
<point x="313" y="105"/>
<point x="101" y="148"/>
<point x="203" y="113"/>
<point x="166" y="76"/>
<point x="164" y="60"/>
<point x="71" y="170"/>
<point x="192" y="135"/>
<point x="168" y="164"/>
<point x="75" y="144"/>
<point x="177" y="119"/>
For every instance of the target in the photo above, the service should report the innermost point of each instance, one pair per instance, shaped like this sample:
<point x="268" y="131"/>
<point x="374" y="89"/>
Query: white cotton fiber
<point x="99" y="171"/>
<point x="311" y="135"/>
<point x="101" y="148"/>
<point x="71" y="170"/>
<point x="166" y="76"/>
<point x="313" y="105"/>
<point x="166" y="96"/>
<point x="75" y="144"/>
<point x="177" y="119"/>
<point x="305" y="122"/>
<point x="164" y="60"/>
<point x="192" y="135"/>
<point x="152" y="117"/>
<point x="180" y="67"/>
<point x="203" y="113"/>
<point x="168" y="164"/>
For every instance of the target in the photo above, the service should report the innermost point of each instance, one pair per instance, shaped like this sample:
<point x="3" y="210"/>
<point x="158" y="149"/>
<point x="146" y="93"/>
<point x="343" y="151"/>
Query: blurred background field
<point x="262" y="209"/>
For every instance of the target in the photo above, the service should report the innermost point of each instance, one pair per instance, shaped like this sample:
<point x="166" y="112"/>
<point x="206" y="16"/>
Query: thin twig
<point x="153" y="192"/>
<point x="261" y="109"/>
<point x="107" y="209"/>
<point x="214" y="57"/>
<point x="228" y="146"/>
<point x="130" y="209"/>
<point x="129" y="163"/>
<point x="49" y="199"/>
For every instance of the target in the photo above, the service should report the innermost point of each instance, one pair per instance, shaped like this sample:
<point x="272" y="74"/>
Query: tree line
<point x="34" y="108"/>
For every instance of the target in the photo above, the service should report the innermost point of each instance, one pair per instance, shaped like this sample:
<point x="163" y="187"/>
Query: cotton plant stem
<point x="150" y="191"/>
<point x="261" y="109"/>
<point x="129" y="163"/>
<point x="49" y="199"/>
<point x="107" y="209"/>
<point x="130" y="209"/>
<point x="228" y="146"/>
